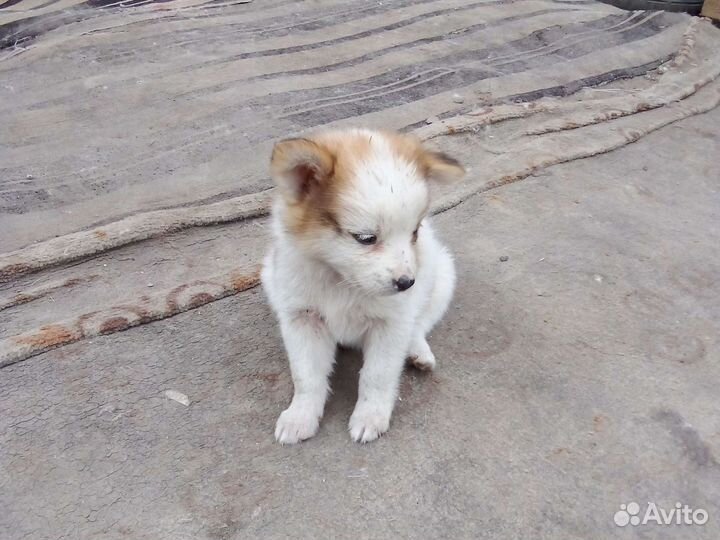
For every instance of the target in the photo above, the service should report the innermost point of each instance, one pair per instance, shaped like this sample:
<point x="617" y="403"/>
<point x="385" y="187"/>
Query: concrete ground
<point x="579" y="375"/>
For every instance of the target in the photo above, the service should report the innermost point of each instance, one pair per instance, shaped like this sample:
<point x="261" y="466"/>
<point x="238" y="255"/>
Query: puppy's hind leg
<point x="420" y="355"/>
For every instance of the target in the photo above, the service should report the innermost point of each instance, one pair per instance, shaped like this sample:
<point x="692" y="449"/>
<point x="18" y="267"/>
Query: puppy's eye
<point x="365" y="239"/>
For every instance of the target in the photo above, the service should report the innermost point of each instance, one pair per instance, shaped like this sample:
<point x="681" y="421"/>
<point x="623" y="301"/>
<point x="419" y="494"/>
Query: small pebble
<point x="177" y="396"/>
<point x="432" y="120"/>
<point x="504" y="258"/>
<point x="457" y="98"/>
<point x="150" y="285"/>
<point x="480" y="111"/>
<point x="29" y="176"/>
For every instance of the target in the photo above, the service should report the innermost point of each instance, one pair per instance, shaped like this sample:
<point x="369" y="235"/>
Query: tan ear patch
<point x="434" y="166"/>
<point x="300" y="166"/>
<point x="440" y="167"/>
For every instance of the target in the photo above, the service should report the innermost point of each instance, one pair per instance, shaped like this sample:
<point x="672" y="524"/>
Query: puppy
<point x="355" y="262"/>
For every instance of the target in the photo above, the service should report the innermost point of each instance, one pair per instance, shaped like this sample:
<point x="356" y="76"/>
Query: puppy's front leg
<point x="384" y="358"/>
<point x="311" y="351"/>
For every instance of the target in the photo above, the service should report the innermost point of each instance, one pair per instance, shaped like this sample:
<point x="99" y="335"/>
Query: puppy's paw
<point x="423" y="363"/>
<point x="296" y="424"/>
<point x="367" y="424"/>
<point x="421" y="356"/>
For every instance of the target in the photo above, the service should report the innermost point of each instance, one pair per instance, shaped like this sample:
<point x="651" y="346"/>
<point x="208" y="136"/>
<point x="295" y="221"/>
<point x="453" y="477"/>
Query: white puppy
<point x="355" y="262"/>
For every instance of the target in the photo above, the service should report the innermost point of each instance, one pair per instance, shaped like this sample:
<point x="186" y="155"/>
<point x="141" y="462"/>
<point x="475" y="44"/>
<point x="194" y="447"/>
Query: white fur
<point x="335" y="290"/>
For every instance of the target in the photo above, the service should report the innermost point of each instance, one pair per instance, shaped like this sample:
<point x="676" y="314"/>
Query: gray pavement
<point x="579" y="375"/>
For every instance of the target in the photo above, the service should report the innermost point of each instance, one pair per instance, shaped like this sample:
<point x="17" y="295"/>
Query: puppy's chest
<point x="349" y="322"/>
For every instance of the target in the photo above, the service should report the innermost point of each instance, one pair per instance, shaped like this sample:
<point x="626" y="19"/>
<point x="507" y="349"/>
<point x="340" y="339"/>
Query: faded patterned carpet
<point x="135" y="135"/>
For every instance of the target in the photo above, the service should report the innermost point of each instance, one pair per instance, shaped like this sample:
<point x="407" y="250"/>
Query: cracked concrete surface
<point x="578" y="375"/>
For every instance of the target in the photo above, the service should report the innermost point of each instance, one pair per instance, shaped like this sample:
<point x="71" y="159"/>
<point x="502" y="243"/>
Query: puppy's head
<point x="356" y="200"/>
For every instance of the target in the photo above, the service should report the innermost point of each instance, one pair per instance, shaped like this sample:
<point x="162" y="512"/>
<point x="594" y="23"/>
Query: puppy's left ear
<point x="439" y="167"/>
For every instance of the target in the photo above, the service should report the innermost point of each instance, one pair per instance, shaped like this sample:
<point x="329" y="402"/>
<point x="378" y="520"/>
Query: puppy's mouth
<point x="388" y="290"/>
<point x="366" y="289"/>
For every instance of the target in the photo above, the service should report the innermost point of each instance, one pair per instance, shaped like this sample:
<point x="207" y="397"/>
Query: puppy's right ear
<point x="300" y="166"/>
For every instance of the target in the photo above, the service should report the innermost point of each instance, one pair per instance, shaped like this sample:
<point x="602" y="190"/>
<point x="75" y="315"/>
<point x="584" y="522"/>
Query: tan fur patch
<point x="440" y="167"/>
<point x="408" y="147"/>
<point x="435" y="166"/>
<point x="317" y="207"/>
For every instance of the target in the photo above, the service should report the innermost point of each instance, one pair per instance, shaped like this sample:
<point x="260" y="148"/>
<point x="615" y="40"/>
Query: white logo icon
<point x="680" y="514"/>
<point x="628" y="513"/>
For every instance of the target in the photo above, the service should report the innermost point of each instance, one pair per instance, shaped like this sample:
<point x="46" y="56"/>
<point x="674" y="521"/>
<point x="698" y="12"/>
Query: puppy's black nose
<point x="403" y="283"/>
